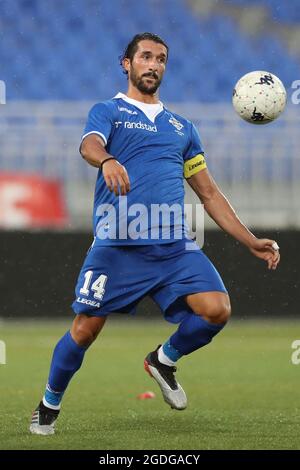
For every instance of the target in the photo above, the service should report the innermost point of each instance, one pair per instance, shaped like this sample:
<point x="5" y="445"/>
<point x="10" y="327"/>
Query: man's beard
<point x="142" y="86"/>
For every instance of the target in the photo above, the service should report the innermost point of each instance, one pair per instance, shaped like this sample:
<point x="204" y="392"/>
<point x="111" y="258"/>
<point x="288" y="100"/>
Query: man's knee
<point x="82" y="336"/>
<point x="215" y="310"/>
<point x="85" y="329"/>
<point x="218" y="312"/>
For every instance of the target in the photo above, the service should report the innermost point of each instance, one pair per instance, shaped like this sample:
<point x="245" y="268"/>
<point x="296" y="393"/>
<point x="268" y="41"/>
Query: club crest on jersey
<point x="177" y="125"/>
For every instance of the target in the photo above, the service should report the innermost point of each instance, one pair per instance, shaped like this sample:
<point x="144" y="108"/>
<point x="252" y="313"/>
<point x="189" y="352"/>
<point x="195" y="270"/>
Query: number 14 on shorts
<point x="98" y="286"/>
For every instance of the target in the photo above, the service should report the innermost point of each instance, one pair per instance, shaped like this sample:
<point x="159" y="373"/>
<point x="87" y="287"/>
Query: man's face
<point x="147" y="67"/>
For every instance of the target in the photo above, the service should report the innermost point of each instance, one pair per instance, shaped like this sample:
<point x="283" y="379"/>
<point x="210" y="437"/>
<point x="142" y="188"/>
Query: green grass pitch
<point x="243" y="390"/>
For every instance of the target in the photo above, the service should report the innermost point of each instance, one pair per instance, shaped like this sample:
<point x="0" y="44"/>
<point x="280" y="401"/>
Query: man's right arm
<point x="93" y="150"/>
<point x="115" y="175"/>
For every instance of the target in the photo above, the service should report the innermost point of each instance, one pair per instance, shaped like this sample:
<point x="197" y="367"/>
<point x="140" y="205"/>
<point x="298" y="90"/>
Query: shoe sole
<point x="41" y="430"/>
<point x="154" y="374"/>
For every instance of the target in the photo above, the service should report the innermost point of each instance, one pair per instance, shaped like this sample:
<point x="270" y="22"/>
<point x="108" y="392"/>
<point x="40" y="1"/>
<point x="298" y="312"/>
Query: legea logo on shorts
<point x="157" y="222"/>
<point x="92" y="303"/>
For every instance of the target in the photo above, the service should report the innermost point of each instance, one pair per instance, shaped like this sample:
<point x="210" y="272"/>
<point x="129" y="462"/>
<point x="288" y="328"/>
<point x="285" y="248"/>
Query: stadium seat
<point x="51" y="42"/>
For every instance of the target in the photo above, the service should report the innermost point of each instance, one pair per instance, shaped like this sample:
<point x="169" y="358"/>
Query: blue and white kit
<point x="158" y="149"/>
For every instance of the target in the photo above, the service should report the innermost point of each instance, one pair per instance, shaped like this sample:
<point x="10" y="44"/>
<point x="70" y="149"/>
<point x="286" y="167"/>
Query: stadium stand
<point x="288" y="12"/>
<point x="69" y="49"/>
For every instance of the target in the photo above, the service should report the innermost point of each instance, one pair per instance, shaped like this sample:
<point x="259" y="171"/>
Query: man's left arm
<point x="220" y="210"/>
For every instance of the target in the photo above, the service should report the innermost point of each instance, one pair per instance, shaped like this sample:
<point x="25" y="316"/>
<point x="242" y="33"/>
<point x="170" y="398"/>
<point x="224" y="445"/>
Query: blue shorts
<point x="115" y="279"/>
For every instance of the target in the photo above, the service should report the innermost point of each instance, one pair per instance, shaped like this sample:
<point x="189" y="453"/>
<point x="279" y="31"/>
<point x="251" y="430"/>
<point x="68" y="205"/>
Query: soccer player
<point x="143" y="152"/>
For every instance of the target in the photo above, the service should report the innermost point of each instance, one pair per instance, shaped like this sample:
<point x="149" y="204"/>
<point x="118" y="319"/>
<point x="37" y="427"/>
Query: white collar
<point x="150" y="110"/>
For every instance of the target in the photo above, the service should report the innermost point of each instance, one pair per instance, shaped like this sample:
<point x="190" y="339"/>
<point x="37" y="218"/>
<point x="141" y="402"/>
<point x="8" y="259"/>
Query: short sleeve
<point x="194" y="160"/>
<point x="99" y="122"/>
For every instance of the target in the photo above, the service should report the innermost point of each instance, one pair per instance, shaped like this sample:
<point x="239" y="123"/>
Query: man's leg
<point x="211" y="312"/>
<point x="66" y="360"/>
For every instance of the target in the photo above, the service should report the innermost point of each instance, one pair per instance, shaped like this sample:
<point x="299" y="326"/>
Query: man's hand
<point x="116" y="176"/>
<point x="267" y="250"/>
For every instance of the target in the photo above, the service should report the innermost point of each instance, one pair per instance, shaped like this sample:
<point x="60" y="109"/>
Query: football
<point x="259" y="97"/>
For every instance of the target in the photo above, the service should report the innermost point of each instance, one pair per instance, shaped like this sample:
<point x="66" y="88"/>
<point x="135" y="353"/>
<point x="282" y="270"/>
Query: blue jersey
<point x="158" y="149"/>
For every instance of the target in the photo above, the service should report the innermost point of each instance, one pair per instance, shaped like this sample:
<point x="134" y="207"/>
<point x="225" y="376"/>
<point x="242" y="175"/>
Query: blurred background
<point x="59" y="57"/>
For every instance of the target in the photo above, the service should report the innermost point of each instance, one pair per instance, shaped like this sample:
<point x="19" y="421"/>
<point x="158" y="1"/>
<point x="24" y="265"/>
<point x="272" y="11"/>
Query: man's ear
<point x="126" y="64"/>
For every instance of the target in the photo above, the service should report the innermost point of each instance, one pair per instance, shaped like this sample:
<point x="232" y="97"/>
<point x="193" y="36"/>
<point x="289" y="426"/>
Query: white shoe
<point x="172" y="391"/>
<point x="43" y="420"/>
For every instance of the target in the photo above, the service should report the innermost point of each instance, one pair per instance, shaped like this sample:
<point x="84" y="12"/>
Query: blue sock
<point x="193" y="333"/>
<point x="67" y="359"/>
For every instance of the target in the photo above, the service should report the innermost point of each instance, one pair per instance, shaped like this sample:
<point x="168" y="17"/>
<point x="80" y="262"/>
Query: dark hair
<point x="132" y="47"/>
